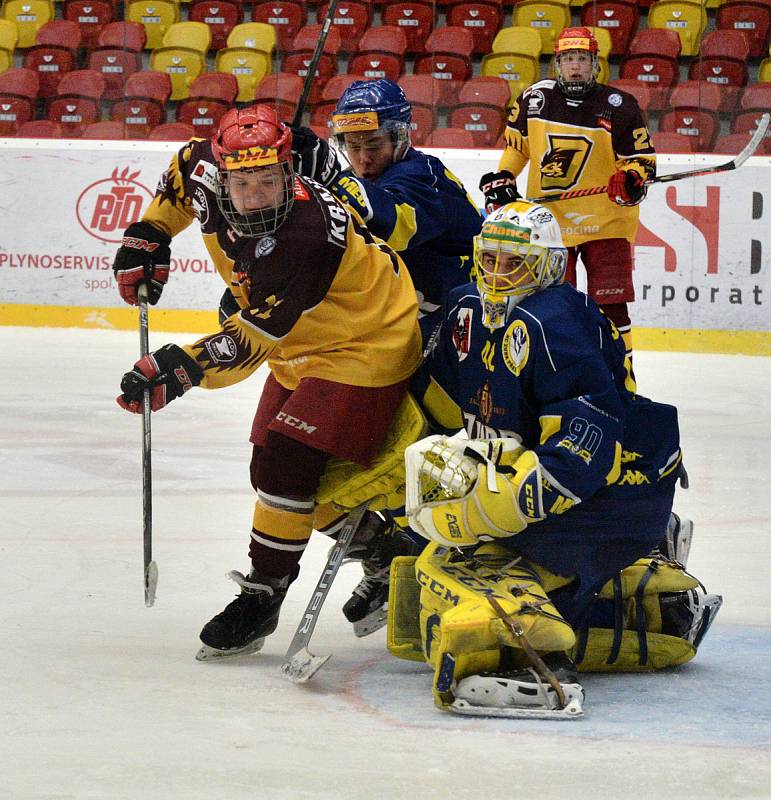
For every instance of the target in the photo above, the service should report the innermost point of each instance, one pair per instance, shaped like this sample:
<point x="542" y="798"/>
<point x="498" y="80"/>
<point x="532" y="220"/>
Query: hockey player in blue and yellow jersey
<point x="563" y="487"/>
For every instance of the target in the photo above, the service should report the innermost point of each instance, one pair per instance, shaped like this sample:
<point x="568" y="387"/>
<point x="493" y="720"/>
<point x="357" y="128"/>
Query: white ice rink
<point x="102" y="698"/>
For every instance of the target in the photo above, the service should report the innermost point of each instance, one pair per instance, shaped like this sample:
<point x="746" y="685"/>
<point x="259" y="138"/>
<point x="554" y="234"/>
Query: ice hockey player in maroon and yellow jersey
<point x="328" y="306"/>
<point x="575" y="134"/>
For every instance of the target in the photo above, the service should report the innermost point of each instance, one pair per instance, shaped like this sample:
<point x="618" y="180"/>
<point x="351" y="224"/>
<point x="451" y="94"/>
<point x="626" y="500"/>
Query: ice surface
<point x="102" y="697"/>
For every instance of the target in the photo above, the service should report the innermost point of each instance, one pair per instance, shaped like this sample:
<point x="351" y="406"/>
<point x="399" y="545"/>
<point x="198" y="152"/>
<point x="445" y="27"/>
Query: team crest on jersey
<point x="564" y="161"/>
<point x="222" y="348"/>
<point x="516" y="346"/>
<point x="461" y="335"/>
<point x="205" y="173"/>
<point x="200" y="205"/>
<point x="535" y="102"/>
<point x="615" y="100"/>
<point x="265" y="246"/>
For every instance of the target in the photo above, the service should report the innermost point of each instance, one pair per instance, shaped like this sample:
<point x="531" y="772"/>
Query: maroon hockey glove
<point x="144" y="257"/>
<point x="168" y="373"/>
<point x="626" y="188"/>
<point x="499" y="188"/>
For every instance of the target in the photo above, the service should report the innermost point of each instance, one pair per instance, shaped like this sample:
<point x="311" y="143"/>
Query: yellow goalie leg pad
<point x="347" y="485"/>
<point x="637" y="644"/>
<point x="403" y="633"/>
<point x="461" y="633"/>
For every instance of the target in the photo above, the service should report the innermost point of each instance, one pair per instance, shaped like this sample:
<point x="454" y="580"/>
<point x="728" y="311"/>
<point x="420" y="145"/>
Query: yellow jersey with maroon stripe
<point x="578" y="144"/>
<point x="321" y="297"/>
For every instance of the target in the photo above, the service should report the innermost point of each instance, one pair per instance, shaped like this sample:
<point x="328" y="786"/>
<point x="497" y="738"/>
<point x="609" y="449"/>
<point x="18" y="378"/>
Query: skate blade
<point x="371" y="623"/>
<point x="302" y="666"/>
<point x="207" y="653"/>
<point x="573" y="710"/>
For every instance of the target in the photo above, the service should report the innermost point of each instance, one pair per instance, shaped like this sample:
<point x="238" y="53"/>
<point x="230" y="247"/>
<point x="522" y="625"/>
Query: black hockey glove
<point x="626" y="188"/>
<point x="144" y="257"/>
<point x="313" y="157"/>
<point x="499" y="188"/>
<point x="168" y="373"/>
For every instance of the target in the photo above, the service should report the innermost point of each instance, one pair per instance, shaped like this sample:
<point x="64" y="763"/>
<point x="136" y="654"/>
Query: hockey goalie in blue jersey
<point x="552" y="547"/>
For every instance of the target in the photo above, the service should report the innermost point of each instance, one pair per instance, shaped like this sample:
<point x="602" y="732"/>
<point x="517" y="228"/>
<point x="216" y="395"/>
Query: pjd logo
<point x="516" y="346"/>
<point x="108" y="206"/>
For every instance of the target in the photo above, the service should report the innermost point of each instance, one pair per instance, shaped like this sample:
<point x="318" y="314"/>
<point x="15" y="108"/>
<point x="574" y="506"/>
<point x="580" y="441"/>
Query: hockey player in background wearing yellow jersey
<point x="575" y="133"/>
<point x="328" y="306"/>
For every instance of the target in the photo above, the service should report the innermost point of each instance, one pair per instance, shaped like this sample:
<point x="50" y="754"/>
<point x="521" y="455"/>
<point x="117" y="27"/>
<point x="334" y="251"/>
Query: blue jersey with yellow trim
<point x="421" y="210"/>
<point x="555" y="375"/>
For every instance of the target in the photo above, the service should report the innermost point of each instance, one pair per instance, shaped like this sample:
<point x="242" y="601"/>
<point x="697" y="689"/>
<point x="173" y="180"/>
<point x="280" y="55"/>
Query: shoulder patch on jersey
<point x="205" y="173"/>
<point x="516" y="346"/>
<point x="615" y="99"/>
<point x="461" y="335"/>
<point x="221" y="348"/>
<point x="535" y="102"/>
<point x="265" y="246"/>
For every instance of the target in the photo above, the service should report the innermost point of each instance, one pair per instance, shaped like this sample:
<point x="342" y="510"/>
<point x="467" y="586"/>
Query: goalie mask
<point x="576" y="62"/>
<point x="370" y="113"/>
<point x="518" y="251"/>
<point x="255" y="179"/>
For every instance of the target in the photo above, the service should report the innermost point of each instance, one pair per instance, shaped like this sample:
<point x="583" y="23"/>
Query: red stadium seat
<point x="351" y="19"/>
<point x="381" y="53"/>
<point x="666" y="142"/>
<point x="90" y="16"/>
<point x="415" y="18"/>
<point x="54" y="53"/>
<point x="450" y="137"/>
<point x="723" y="60"/>
<point x="484" y="19"/>
<point x="18" y="91"/>
<point x="619" y="18"/>
<point x="298" y="59"/>
<point x="40" y="129"/>
<point x="171" y="132"/>
<point x="77" y="102"/>
<point x="286" y="17"/>
<point x="756" y="97"/>
<point x="694" y="113"/>
<point x="746" y="122"/>
<point x="210" y="96"/>
<point x="104" y="129"/>
<point x="481" y="109"/>
<point x="424" y="93"/>
<point x="220" y="15"/>
<point x="751" y="18"/>
<point x="653" y="60"/>
<point x="321" y="113"/>
<point x="144" y="105"/>
<point x="282" y="90"/>
<point x="447" y="57"/>
<point x="733" y="143"/>
<point x="118" y="54"/>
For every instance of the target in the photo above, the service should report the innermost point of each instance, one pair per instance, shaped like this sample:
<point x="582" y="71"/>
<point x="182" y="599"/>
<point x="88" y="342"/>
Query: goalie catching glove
<point x="168" y="373"/>
<point x="462" y="492"/>
<point x="143" y="257"/>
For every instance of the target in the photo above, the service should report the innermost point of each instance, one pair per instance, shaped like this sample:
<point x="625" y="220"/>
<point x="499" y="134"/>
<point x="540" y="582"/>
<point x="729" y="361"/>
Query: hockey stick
<point x="311" y="74"/>
<point x="300" y="665"/>
<point x="150" y="567"/>
<point x="734" y="163"/>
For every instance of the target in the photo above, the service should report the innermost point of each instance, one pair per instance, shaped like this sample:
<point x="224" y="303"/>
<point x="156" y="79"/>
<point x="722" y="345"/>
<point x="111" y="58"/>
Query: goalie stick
<point x="150" y="567"/>
<point x="314" y="62"/>
<point x="734" y="163"/>
<point x="300" y="665"/>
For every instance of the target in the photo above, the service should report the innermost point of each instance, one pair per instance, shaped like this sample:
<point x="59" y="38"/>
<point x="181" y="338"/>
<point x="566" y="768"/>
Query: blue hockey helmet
<point x="377" y="106"/>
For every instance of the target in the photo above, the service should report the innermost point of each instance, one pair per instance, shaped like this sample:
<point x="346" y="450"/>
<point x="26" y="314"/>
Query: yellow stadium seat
<point x="190" y="35"/>
<point x="604" y="41"/>
<point x="515" y="58"/>
<point x="548" y="17"/>
<point x="687" y="17"/>
<point x="248" y="56"/>
<point x="764" y="75"/>
<point x="9" y="35"/>
<point x="157" y="16"/>
<point x="182" y="56"/>
<point x="28" y="16"/>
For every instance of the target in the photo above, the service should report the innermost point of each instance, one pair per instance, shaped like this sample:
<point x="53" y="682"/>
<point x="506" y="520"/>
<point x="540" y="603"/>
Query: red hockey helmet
<point x="250" y="140"/>
<point x="579" y="39"/>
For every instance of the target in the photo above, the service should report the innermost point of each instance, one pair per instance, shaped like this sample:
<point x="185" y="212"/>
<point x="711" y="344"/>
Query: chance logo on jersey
<point x="516" y="346"/>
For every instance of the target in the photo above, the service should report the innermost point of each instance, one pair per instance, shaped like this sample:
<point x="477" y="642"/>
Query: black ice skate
<point x="676" y="544"/>
<point x="689" y="614"/>
<point x="245" y="623"/>
<point x="376" y="544"/>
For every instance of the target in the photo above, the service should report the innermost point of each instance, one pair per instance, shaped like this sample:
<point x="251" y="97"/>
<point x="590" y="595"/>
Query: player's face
<point x="505" y="271"/>
<point x="370" y="153"/>
<point x="575" y="65"/>
<point x="256" y="189"/>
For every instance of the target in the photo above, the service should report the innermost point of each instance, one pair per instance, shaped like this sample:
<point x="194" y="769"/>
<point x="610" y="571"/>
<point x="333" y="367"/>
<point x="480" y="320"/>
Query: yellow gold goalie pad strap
<point x="636" y="642"/>
<point x="347" y="485"/>
<point x="460" y="632"/>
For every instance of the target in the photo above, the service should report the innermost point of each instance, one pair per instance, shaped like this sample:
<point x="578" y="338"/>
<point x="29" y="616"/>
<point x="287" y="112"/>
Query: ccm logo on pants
<point x="294" y="422"/>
